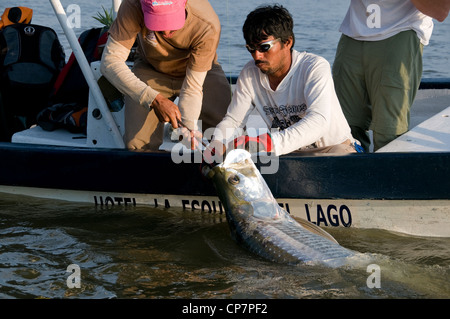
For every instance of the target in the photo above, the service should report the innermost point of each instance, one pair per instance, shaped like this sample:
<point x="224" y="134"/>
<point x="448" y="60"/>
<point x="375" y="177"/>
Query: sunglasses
<point x="263" y="47"/>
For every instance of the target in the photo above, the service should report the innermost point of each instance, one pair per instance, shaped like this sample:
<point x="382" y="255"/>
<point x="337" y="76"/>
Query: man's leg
<point x="142" y="127"/>
<point x="350" y="85"/>
<point x="395" y="73"/>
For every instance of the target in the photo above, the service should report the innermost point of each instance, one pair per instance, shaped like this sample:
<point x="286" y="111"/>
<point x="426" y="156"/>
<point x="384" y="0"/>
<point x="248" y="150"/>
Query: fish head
<point x="241" y="188"/>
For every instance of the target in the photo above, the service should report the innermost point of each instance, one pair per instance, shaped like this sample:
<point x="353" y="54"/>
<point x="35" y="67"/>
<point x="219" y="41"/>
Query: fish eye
<point x="233" y="179"/>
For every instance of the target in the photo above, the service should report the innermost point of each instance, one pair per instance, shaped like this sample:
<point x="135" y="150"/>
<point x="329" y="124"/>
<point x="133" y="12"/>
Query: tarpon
<point x="259" y="223"/>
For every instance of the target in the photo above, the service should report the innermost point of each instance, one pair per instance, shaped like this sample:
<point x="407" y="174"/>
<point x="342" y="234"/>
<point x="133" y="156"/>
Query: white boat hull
<point x="430" y="218"/>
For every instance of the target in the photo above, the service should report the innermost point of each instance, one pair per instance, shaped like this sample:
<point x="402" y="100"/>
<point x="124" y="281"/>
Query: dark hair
<point x="269" y="20"/>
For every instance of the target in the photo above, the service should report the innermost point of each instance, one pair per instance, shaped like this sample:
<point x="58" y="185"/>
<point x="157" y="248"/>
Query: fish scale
<point x="291" y="243"/>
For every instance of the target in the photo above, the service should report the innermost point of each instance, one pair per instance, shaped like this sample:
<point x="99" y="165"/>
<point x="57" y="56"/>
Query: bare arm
<point x="437" y="9"/>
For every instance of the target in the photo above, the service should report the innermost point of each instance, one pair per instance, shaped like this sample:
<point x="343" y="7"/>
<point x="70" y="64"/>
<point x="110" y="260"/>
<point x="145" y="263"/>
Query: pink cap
<point x="164" y="15"/>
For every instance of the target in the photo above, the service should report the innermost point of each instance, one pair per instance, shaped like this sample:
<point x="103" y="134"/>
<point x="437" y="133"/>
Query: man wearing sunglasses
<point x="292" y="91"/>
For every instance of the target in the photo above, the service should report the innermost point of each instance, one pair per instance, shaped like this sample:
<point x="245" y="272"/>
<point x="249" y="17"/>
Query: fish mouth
<point x="232" y="159"/>
<point x="235" y="156"/>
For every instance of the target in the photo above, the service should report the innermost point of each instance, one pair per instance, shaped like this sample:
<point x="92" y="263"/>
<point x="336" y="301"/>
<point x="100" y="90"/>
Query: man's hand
<point x="166" y="110"/>
<point x="214" y="152"/>
<point x="190" y="138"/>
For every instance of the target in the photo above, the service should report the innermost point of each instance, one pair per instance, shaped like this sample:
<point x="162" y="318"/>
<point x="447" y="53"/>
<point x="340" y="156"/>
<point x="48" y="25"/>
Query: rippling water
<point x="141" y="252"/>
<point x="169" y="253"/>
<point x="316" y="29"/>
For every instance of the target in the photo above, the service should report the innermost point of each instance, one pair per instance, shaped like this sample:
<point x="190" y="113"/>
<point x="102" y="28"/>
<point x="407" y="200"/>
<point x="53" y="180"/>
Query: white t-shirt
<point x="304" y="106"/>
<point x="375" y="20"/>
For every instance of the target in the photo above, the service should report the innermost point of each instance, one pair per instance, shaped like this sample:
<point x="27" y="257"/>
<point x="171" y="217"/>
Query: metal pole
<point x="87" y="72"/>
<point x="116" y="5"/>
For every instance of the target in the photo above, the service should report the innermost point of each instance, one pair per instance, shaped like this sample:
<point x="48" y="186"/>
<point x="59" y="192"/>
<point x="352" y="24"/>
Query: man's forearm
<point x="191" y="97"/>
<point x="113" y="67"/>
<point x="437" y="9"/>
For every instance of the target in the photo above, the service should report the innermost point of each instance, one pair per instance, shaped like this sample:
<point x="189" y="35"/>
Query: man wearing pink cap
<point x="176" y="57"/>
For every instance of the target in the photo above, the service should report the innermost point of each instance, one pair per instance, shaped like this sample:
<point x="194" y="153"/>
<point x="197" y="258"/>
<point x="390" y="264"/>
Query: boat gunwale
<point x="353" y="176"/>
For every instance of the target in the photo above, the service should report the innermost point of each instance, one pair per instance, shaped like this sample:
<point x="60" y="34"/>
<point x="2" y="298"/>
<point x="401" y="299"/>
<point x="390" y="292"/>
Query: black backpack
<point x="31" y="59"/>
<point x="71" y="86"/>
<point x="69" y="101"/>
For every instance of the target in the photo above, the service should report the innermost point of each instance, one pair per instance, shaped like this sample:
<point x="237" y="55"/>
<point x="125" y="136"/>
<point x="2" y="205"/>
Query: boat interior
<point x="429" y="120"/>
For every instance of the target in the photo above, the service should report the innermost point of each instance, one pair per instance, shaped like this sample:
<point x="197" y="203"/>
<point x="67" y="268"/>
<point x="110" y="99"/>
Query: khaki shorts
<point x="376" y="81"/>
<point x="143" y="129"/>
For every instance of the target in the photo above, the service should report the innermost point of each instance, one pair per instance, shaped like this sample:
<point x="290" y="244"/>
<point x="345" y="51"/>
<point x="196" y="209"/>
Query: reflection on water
<point x="145" y="252"/>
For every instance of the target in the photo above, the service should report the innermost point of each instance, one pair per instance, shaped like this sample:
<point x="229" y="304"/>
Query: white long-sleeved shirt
<point x="304" y="106"/>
